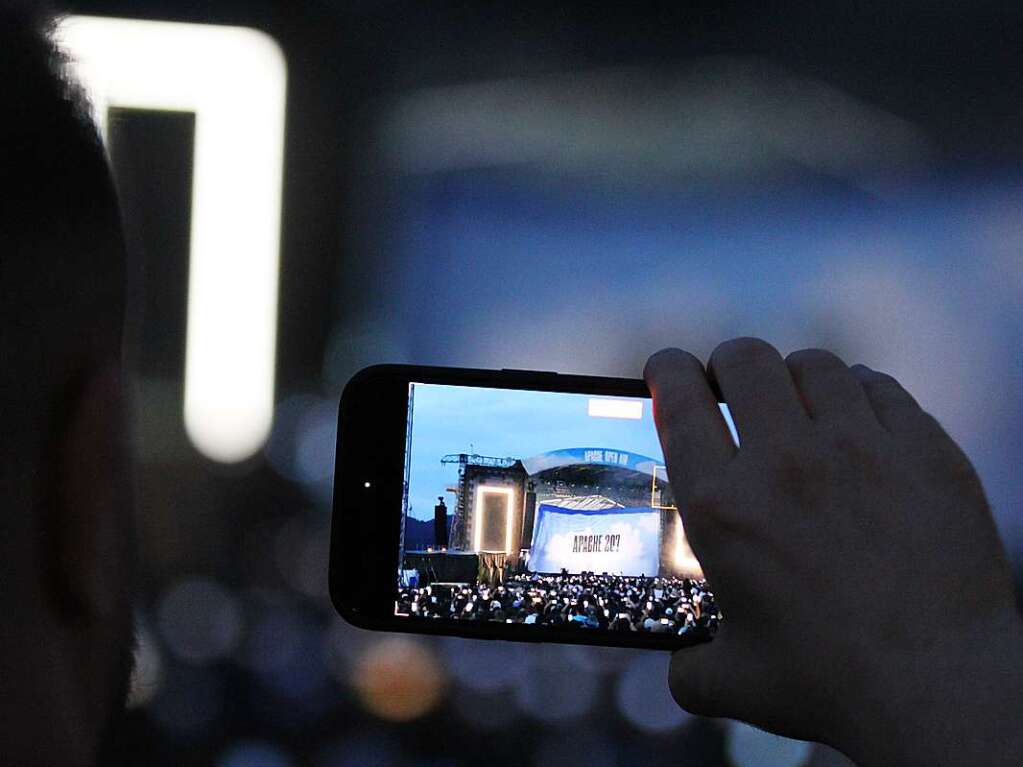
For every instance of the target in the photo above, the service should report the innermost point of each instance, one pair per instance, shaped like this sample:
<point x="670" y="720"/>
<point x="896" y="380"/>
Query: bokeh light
<point x="482" y="666"/>
<point x="275" y="635"/>
<point x="302" y="555"/>
<point x="398" y="678"/>
<point x="572" y="206"/>
<point x="643" y="697"/>
<point x="301" y="445"/>
<point x="199" y="620"/>
<point x="551" y="689"/>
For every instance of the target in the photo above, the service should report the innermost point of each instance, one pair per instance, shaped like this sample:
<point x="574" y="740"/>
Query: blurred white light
<point x="643" y="697"/>
<point x="200" y="620"/>
<point x="484" y="667"/>
<point x="233" y="79"/>
<point x="616" y="408"/>
<point x="720" y="116"/>
<point x="914" y="323"/>
<point x="315" y="447"/>
<point x="302" y="443"/>
<point x="747" y="746"/>
<point x="551" y="689"/>
<point x="685" y="560"/>
<point x="276" y="634"/>
<point x="302" y="555"/>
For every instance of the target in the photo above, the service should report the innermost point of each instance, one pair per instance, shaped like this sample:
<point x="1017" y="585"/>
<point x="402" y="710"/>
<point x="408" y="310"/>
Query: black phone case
<point x="369" y="483"/>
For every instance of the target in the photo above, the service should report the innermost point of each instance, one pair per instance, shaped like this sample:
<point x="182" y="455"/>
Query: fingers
<point x="828" y="388"/>
<point x="755" y="382"/>
<point x="893" y="406"/>
<point x="693" y="433"/>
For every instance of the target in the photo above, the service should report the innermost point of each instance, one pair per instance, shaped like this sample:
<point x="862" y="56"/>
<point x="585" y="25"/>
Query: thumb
<point x="728" y="678"/>
<point x="724" y="677"/>
<point x="696" y="680"/>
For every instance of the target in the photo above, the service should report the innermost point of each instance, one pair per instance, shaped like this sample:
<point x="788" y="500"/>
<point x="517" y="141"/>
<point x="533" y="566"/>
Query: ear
<point x="90" y="524"/>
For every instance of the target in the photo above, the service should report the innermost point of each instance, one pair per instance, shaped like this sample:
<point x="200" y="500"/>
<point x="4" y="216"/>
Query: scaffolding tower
<point x="404" y="491"/>
<point x="463" y="460"/>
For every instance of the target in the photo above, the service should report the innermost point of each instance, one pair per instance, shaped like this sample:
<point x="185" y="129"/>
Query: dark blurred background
<point x="563" y="188"/>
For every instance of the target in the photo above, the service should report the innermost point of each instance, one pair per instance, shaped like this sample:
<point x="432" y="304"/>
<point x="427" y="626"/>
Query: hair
<point x="62" y="291"/>
<point x="62" y="257"/>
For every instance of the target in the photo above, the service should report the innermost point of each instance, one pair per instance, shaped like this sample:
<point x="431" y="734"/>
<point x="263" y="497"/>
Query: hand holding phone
<point x="869" y="600"/>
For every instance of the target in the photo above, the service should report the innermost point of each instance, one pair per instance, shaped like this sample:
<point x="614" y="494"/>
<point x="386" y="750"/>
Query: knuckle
<point x="795" y="471"/>
<point x="705" y="497"/>
<point x="715" y="519"/>
<point x="852" y="450"/>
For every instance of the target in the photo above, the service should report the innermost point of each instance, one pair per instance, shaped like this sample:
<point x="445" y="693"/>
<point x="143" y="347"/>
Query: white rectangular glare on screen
<point x="233" y="79"/>
<point x="616" y="408"/>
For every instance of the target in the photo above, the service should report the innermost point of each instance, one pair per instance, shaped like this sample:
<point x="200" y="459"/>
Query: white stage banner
<point x="615" y="541"/>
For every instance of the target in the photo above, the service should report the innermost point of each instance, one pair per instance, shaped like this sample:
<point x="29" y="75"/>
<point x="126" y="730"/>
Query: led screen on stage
<point x="613" y="541"/>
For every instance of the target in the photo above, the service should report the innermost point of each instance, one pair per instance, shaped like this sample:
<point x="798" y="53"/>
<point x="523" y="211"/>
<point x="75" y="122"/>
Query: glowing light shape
<point x="233" y="79"/>
<point x="686" y="562"/>
<point x="653" y="488"/>
<point x="616" y="408"/>
<point x="481" y="491"/>
<point x="384" y="685"/>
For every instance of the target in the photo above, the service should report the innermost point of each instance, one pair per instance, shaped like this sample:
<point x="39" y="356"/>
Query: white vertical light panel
<point x="478" y="518"/>
<point x="234" y="80"/>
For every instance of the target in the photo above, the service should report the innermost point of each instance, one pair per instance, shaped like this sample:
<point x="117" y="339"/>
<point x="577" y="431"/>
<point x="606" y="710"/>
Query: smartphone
<point x="514" y="505"/>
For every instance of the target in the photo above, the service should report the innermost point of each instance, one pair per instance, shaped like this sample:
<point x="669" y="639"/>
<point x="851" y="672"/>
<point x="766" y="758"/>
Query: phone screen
<point x="549" y="509"/>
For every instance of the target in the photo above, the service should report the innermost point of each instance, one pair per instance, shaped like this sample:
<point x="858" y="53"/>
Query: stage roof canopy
<point x="596" y="456"/>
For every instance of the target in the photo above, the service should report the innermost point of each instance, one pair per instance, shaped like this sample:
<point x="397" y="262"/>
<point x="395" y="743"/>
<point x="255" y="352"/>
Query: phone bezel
<point x="371" y="441"/>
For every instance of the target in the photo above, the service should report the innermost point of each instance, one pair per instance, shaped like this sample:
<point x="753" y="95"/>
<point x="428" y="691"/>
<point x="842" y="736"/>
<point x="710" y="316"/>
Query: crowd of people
<point x="584" y="601"/>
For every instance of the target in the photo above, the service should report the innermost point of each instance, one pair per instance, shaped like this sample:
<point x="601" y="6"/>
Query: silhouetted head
<point x="66" y="550"/>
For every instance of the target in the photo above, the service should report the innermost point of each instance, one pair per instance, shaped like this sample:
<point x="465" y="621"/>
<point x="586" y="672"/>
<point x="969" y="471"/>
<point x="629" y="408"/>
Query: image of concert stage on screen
<point x="544" y="508"/>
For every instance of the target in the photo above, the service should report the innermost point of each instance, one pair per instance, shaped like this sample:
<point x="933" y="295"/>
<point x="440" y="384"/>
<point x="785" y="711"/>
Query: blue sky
<point x="507" y="422"/>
